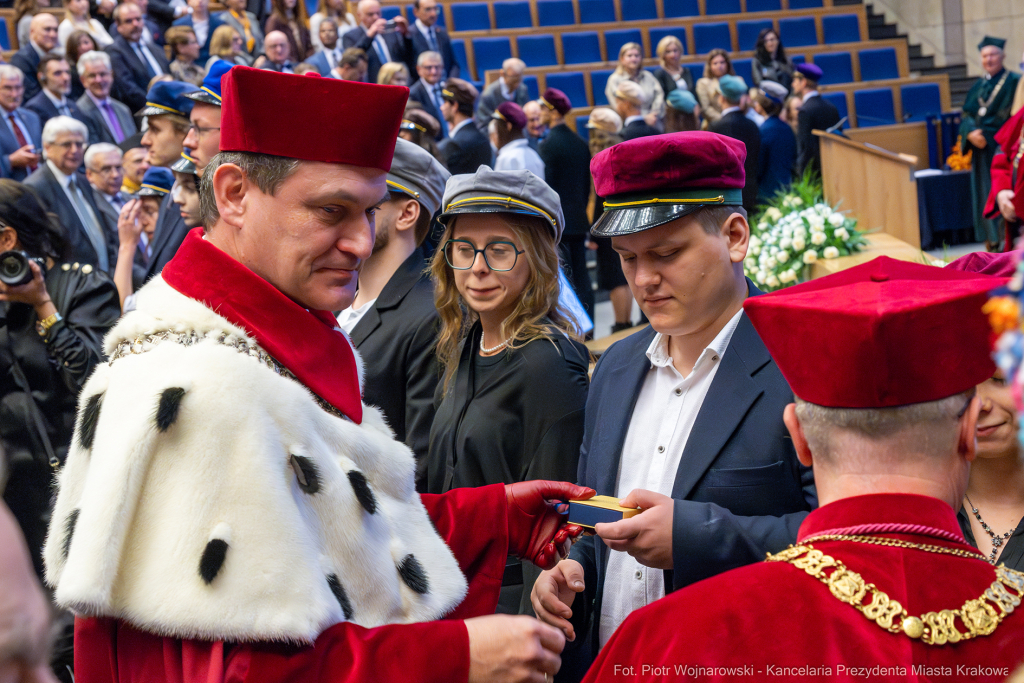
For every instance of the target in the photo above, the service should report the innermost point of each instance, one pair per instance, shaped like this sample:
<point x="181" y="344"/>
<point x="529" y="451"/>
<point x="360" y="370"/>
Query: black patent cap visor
<point x="629" y="214"/>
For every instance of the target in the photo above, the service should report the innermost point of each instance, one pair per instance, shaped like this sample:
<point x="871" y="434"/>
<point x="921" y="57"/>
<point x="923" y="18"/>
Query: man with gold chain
<point x="880" y="583"/>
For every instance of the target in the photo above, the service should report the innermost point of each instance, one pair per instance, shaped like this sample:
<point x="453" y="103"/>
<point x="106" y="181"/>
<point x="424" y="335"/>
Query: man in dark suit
<point x="427" y="90"/>
<point x="104" y="171"/>
<point x="327" y="58"/>
<point x="66" y="192"/>
<point x="735" y="124"/>
<point x="276" y="52"/>
<point x="107" y="119"/>
<point x="203" y="24"/>
<point x="816" y="113"/>
<point x="629" y="100"/>
<point x="42" y="34"/>
<point x="393" y="321"/>
<point x="778" y="143"/>
<point x="380" y="43"/>
<point x="567" y="170"/>
<point x="428" y="36"/>
<point x="508" y="88"/>
<point x="465" y="149"/>
<point x="21" y="137"/>
<point x="683" y="419"/>
<point x="55" y="77"/>
<point x="134" y="61"/>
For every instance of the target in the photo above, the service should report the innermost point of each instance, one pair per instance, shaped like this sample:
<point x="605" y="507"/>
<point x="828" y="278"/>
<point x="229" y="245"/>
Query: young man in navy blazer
<point x="684" y="419"/>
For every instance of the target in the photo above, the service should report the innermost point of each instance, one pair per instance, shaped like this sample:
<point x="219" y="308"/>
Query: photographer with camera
<point x="382" y="40"/>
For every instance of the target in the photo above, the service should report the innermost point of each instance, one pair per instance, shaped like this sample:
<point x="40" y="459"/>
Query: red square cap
<point x="882" y="334"/>
<point x="311" y="118"/>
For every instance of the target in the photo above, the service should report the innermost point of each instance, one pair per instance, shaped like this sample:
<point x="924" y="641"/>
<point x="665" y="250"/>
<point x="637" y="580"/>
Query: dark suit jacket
<point x="737" y="126"/>
<point x="638" y="129"/>
<point x="319" y="60"/>
<point x="50" y="191"/>
<point x="131" y="78"/>
<point x="139" y="266"/>
<point x="491" y="98"/>
<point x="44" y="108"/>
<point x="444" y="46"/>
<point x="418" y="93"/>
<point x="466" y="150"/>
<point x="567" y="169"/>
<point x="399" y="46"/>
<point x="396" y="340"/>
<point x="97" y="122"/>
<point x="27" y="59"/>
<point x="204" y="49"/>
<point x="9" y="143"/>
<point x="668" y="84"/>
<point x="739" y="491"/>
<point x="170" y="233"/>
<point x="816" y="113"/>
<point x="778" y="154"/>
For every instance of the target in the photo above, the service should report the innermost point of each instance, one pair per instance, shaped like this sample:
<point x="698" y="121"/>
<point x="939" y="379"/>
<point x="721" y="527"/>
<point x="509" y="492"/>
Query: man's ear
<point x="409" y="215"/>
<point x="796" y="431"/>
<point x="8" y="238"/>
<point x="230" y="187"/>
<point x="967" y="445"/>
<point x="736" y="232"/>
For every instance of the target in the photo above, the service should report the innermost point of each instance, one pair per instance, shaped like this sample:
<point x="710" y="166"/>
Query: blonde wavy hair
<point x="538" y="313"/>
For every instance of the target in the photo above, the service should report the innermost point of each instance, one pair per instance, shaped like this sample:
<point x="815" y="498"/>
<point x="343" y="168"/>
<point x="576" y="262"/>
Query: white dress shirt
<point x="518" y="154"/>
<point x="659" y="428"/>
<point x="631" y="119"/>
<point x="350" y="317"/>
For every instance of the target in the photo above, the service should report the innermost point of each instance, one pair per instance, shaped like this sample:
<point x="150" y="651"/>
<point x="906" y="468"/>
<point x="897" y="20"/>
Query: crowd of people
<point x="178" y="262"/>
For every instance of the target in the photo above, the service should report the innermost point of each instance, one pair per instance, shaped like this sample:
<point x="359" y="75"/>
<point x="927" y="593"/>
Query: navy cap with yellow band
<point x="209" y="91"/>
<point x="416" y="173"/>
<point x="490" y="191"/>
<point x="157" y="182"/>
<point x="186" y="164"/>
<point x="654" y="180"/>
<point x="168" y="97"/>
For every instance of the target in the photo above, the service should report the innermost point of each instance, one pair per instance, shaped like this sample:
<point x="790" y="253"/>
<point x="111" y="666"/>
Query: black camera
<point x="390" y="25"/>
<point x="14" y="268"/>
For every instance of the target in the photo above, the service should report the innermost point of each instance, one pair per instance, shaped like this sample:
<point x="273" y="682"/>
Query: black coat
<point x="737" y="126"/>
<point x="418" y="93"/>
<point x="27" y="59"/>
<point x="399" y="46"/>
<point x="523" y="421"/>
<point x="566" y="159"/>
<point x="668" y="84"/>
<point x="396" y="340"/>
<point x="170" y="233"/>
<point x="444" y="46"/>
<point x="131" y="78"/>
<point x="466" y="151"/>
<point x="816" y="113"/>
<point x="638" y="129"/>
<point x="43" y="106"/>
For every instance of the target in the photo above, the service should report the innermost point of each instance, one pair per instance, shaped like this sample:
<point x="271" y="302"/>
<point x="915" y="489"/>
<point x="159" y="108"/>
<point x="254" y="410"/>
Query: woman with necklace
<point x="992" y="516"/>
<point x="510" y="403"/>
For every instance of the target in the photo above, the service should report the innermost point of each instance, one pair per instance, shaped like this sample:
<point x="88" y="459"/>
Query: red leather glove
<point x="536" y="530"/>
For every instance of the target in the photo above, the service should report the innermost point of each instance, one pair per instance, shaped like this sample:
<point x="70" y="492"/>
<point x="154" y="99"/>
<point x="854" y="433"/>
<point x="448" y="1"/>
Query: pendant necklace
<point x="985" y="104"/>
<point x="997" y="541"/>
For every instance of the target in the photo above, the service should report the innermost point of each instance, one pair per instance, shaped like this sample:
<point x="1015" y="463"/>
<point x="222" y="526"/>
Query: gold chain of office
<point x="980" y="616"/>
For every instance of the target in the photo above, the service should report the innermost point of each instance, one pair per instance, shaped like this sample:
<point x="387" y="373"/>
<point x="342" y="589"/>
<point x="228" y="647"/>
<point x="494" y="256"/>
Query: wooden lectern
<point x="876" y="186"/>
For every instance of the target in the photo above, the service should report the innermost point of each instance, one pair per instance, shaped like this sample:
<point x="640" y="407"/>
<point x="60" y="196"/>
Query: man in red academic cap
<point x="230" y="510"/>
<point x="883" y="359"/>
<point x="1006" y="199"/>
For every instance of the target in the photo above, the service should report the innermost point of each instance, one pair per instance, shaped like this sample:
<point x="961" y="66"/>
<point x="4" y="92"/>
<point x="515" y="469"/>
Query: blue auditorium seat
<point x="635" y="10"/>
<point x="471" y="16"/>
<point x="530" y="81"/>
<point x="920" y="101"/>
<point x="797" y="32"/>
<point x="657" y="34"/>
<point x="555" y="13"/>
<point x="581" y="126"/>
<point x="581" y="48"/>
<point x="805" y="4"/>
<point x="614" y="40"/>
<point x="836" y="67"/>
<point x="490" y="53"/>
<point x="389" y="12"/>
<point x="706" y="37"/>
<point x="878" y="63"/>
<point x="874" y="107"/>
<point x="696" y="69"/>
<point x="597" y="11"/>
<point x="538" y="50"/>
<point x="744" y="69"/>
<point x="5" y="37"/>
<point x="459" y="50"/>
<point x="512" y="14"/>
<point x="311" y="7"/>
<point x="681" y="8"/>
<point x="722" y="7"/>
<point x="798" y="59"/>
<point x="838" y="100"/>
<point x="840" y="28"/>
<point x="572" y="84"/>
<point x="747" y="31"/>
<point x="598" y="82"/>
<point x="764" y="5"/>
<point x="411" y="15"/>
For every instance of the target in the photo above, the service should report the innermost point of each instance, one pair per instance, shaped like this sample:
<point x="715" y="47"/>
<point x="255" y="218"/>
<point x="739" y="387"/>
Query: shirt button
<point x="679" y="392"/>
<point x="639" y="574"/>
<point x="661" y="449"/>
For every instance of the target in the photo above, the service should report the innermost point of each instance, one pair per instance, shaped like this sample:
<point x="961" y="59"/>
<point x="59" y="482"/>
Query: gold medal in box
<point x="598" y="510"/>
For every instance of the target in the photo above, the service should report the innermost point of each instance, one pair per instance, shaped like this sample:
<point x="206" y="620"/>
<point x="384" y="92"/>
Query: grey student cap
<point x="415" y="172"/>
<point x="490" y="191"/>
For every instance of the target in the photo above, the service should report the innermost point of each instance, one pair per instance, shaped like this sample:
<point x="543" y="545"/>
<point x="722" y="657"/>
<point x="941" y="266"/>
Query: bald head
<point x="276" y="47"/>
<point x="42" y="31"/>
<point x="512" y="72"/>
<point x="367" y="12"/>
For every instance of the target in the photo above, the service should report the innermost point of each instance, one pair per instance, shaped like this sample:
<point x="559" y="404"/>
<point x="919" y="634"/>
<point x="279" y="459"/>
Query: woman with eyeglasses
<point x="510" y="403"/>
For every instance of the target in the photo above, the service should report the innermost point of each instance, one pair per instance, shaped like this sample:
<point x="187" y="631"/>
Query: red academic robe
<point x="473" y="522"/>
<point x="1009" y="139"/>
<point x="772" y="621"/>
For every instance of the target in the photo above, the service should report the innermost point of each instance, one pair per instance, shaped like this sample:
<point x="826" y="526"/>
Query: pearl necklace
<point x="494" y="348"/>
<point x="997" y="541"/>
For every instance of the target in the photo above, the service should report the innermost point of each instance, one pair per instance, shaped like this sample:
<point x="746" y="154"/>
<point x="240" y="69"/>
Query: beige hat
<point x="631" y="92"/>
<point x="605" y="119"/>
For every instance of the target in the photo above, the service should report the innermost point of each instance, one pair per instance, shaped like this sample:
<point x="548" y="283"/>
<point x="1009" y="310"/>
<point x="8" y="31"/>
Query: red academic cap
<point x="882" y="334"/>
<point x="310" y="118"/>
<point x="1003" y="264"/>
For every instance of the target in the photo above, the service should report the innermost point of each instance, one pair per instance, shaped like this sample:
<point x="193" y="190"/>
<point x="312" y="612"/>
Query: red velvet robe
<point x="471" y="521"/>
<point x="754" y="622"/>
<point x="1009" y="140"/>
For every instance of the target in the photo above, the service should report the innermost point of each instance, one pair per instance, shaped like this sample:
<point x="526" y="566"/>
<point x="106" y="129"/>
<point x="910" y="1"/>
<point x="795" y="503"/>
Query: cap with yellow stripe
<point x="186" y="164"/>
<point x="515" y="192"/>
<point x="157" y="182"/>
<point x="168" y="97"/>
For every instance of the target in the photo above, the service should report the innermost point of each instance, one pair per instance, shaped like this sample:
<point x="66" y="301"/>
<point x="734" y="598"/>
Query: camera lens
<point x="14" y="269"/>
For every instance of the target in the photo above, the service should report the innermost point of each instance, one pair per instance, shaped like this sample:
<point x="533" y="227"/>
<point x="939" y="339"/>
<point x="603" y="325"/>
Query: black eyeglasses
<point x="499" y="256"/>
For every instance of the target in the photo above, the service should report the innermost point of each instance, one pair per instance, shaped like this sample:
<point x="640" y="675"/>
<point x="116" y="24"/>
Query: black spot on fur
<point x="212" y="560"/>
<point x="413" y="574"/>
<point x="69" y="531"/>
<point x="364" y="494"/>
<point x="339" y="593"/>
<point x="306" y="474"/>
<point x="167" y="411"/>
<point x="90" y="416"/>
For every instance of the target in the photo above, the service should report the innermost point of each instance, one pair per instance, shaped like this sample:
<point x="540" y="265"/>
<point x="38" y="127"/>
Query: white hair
<point x="92" y="57"/>
<point x="11" y="71"/>
<point x="63" y="124"/>
<point x="428" y="54"/>
<point x="513" y="64"/>
<point x="100" y="148"/>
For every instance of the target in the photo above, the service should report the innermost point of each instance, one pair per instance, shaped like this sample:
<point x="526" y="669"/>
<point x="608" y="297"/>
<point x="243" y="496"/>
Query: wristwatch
<point x="44" y="325"/>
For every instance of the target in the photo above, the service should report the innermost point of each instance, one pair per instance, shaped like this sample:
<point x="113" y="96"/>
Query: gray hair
<point x="63" y="124"/>
<point x="428" y="54"/>
<point x="100" y="148"/>
<point x="11" y="71"/>
<point x="514" y="64"/>
<point x="92" y="57"/>
<point x="266" y="171"/>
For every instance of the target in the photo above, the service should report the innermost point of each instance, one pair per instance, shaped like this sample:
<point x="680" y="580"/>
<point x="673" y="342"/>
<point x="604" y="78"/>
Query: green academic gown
<point x="996" y="105"/>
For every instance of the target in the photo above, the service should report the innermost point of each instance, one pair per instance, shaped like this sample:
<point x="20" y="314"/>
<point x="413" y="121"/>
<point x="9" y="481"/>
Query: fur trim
<point x="218" y="501"/>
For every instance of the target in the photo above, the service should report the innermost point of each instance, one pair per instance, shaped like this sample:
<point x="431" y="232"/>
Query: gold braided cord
<point x="896" y="543"/>
<point x="643" y="202"/>
<point x="978" y="616"/>
<point x="404" y="189"/>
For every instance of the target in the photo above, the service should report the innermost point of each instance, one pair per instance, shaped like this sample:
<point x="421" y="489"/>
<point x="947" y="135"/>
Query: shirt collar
<point x="505" y="92"/>
<point x="659" y="356"/>
<point x="813" y="93"/>
<point x="62" y="102"/>
<point x="97" y="102"/>
<point x="631" y="119"/>
<point x="424" y="29"/>
<point x="729" y="110"/>
<point x="518" y="142"/>
<point x="61" y="177"/>
<point x="40" y="51"/>
<point x="458" y="127"/>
